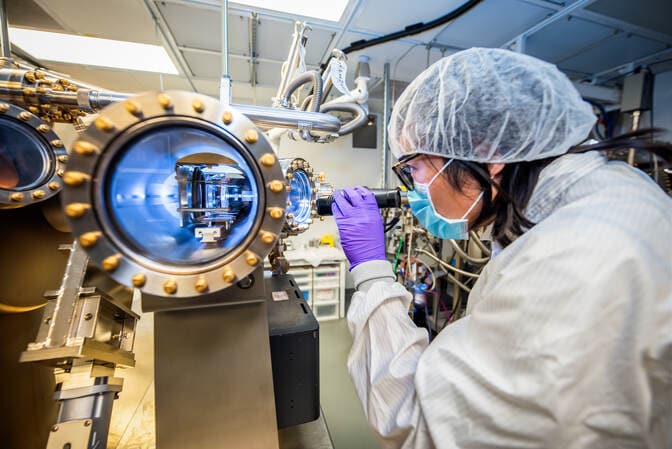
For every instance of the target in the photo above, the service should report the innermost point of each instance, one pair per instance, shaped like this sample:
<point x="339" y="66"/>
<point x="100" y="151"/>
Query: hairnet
<point x="490" y="105"/>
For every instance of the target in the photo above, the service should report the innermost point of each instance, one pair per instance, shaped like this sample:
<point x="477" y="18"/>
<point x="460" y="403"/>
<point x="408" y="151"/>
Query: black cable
<point x="410" y="30"/>
<point x="391" y="224"/>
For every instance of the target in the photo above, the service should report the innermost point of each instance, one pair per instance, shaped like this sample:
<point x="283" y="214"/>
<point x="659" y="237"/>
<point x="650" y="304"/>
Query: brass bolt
<point x="63" y="158"/>
<point x="267" y="237"/>
<point x="201" y="285"/>
<point x="28" y="91"/>
<point x="75" y="178"/>
<point x="321" y="176"/>
<point x="84" y="148"/>
<point x="251" y="136"/>
<point x="251" y="259"/>
<point x="43" y="128"/>
<point x="276" y="212"/>
<point x="54" y="186"/>
<point x="321" y="218"/>
<point x="228" y="276"/>
<point x="39" y="75"/>
<point x="288" y="189"/>
<point x="76" y="210"/>
<point x="42" y="90"/>
<point x="4" y="107"/>
<point x="267" y="160"/>
<point x="25" y="116"/>
<point x="30" y="77"/>
<point x="89" y="239"/>
<point x="54" y="428"/>
<point x="138" y="280"/>
<point x="290" y="216"/>
<point x="276" y="186"/>
<point x="58" y="143"/>
<point x="104" y="124"/>
<point x="133" y="107"/>
<point x="60" y="172"/>
<point x="16" y="196"/>
<point x="198" y="105"/>
<point x="38" y="194"/>
<point x="227" y="117"/>
<point x="165" y="101"/>
<point x="170" y="287"/>
<point x="289" y="176"/>
<point x="111" y="263"/>
<point x="34" y="110"/>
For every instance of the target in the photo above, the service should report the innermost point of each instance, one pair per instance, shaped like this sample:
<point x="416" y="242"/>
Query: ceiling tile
<point x="564" y="38"/>
<point x="492" y="23"/>
<point x="621" y="50"/>
<point x="209" y="66"/>
<point x="104" y="19"/>
<point x="653" y="14"/>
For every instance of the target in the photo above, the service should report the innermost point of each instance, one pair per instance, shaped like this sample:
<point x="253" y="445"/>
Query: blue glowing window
<point x="182" y="195"/>
<point x="24" y="157"/>
<point x="299" y="198"/>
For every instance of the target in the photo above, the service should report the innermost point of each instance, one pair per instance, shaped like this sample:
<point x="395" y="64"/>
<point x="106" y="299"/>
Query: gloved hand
<point x="359" y="224"/>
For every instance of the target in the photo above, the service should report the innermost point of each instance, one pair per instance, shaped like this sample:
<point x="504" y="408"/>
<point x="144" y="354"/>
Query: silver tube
<point x="359" y="119"/>
<point x="446" y="265"/>
<point x="225" y="39"/>
<point x="635" y="126"/>
<point x="306" y="77"/>
<point x="4" y="33"/>
<point x="286" y="118"/>
<point x="299" y="29"/>
<point x="100" y="99"/>
<point x="386" y="122"/>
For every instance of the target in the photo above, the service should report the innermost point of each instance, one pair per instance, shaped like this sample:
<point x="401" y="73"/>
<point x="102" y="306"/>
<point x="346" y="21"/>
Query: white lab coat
<point x="567" y="342"/>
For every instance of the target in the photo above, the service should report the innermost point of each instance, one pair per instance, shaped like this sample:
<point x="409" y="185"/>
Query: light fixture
<point x="331" y="10"/>
<point x="93" y="51"/>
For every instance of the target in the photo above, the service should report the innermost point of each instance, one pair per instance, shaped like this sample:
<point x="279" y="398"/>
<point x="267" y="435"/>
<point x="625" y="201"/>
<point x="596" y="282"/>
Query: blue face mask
<point x="422" y="207"/>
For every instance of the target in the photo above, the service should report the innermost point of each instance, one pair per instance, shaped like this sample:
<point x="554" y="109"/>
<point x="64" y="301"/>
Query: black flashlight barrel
<point x="386" y="199"/>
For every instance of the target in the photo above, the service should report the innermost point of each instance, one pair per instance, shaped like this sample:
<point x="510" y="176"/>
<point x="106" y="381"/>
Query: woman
<point x="567" y="341"/>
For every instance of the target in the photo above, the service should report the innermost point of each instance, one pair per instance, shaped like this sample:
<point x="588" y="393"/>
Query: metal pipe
<point x="4" y="33"/>
<point x="225" y="90"/>
<point x="265" y="117"/>
<point x="301" y="79"/>
<point x="635" y="126"/>
<point x="286" y="76"/>
<point x="386" y="122"/>
<point x="361" y="116"/>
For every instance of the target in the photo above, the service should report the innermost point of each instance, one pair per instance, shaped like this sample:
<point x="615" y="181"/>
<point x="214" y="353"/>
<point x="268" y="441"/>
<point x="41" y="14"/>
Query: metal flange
<point x="93" y="159"/>
<point x="54" y="155"/>
<point x="301" y="186"/>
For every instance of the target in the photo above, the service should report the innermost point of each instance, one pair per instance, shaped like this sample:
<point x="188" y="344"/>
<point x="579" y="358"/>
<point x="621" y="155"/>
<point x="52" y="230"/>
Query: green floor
<point x="342" y="409"/>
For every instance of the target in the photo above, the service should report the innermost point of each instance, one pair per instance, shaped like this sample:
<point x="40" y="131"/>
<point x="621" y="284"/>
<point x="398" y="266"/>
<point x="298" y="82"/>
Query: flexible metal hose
<point x="304" y="78"/>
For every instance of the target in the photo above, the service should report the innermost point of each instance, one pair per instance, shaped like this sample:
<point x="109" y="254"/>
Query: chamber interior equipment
<point x="181" y="195"/>
<point x="25" y="159"/>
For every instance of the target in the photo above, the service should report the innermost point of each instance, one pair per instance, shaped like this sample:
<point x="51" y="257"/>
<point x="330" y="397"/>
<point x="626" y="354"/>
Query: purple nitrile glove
<point x="359" y="224"/>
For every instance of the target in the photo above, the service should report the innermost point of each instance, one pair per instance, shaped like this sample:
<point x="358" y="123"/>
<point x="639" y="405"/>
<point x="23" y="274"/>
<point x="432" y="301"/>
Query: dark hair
<point x="518" y="180"/>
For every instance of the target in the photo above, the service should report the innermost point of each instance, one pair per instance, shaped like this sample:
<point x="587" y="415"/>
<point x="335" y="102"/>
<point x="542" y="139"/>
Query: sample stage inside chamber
<point x="181" y="195"/>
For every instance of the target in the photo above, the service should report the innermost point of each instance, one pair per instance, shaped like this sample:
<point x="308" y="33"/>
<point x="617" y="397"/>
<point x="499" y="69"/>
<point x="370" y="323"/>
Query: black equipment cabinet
<point x="295" y="357"/>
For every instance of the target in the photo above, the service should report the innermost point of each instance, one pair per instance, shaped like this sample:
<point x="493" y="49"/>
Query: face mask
<point x="422" y="207"/>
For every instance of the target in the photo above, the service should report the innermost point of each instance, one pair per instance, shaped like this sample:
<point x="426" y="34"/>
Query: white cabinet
<point x="323" y="288"/>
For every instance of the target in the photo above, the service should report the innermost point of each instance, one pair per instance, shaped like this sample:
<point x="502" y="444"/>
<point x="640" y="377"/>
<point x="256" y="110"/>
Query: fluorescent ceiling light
<point x="73" y="49"/>
<point x="320" y="9"/>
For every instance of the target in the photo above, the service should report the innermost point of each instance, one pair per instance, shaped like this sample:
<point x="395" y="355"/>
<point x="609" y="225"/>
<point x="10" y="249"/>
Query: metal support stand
<point x="84" y="334"/>
<point x="213" y="376"/>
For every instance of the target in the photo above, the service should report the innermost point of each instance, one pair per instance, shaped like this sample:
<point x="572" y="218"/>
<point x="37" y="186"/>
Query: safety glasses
<point x="403" y="171"/>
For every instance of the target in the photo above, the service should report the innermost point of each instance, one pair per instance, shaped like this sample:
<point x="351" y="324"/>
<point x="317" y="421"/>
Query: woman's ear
<point x="495" y="171"/>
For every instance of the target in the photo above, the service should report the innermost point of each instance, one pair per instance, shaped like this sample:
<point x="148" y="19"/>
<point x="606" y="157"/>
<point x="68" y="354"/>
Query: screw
<point x="48" y="320"/>
<point x="88" y="316"/>
<point x="54" y="428"/>
<point x="87" y="423"/>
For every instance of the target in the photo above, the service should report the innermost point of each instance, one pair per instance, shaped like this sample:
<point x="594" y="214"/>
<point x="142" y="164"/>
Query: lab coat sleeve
<point x="384" y="357"/>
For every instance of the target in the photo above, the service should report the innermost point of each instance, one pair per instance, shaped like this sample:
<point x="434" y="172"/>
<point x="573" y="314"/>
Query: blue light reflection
<point x="171" y="182"/>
